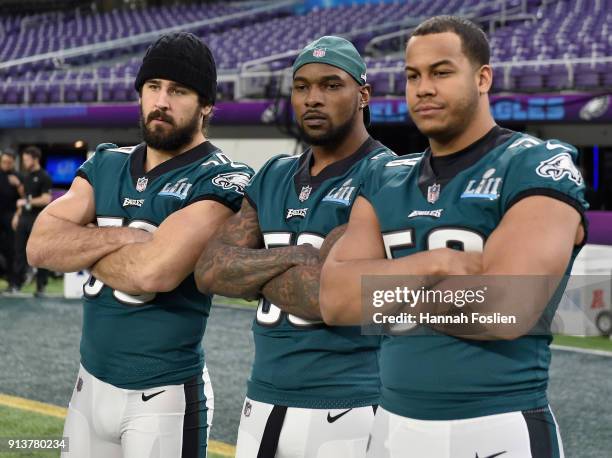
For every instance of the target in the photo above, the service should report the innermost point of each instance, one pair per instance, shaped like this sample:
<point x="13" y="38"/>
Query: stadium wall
<point x="250" y="144"/>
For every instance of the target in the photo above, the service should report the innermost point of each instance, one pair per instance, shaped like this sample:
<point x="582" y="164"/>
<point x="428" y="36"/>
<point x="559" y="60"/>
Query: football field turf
<point x="39" y="359"/>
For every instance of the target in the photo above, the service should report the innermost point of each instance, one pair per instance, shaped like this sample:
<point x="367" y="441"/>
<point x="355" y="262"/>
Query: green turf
<point x="589" y="343"/>
<point x="20" y="424"/>
<point x="16" y="423"/>
<point x="55" y="286"/>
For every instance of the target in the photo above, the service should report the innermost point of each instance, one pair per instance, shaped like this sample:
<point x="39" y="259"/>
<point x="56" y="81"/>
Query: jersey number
<point x="269" y="314"/>
<point x="442" y="237"/>
<point x="93" y="287"/>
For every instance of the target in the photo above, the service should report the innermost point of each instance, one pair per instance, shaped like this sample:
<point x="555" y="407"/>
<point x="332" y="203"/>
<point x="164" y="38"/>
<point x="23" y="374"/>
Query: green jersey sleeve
<point x="87" y="170"/>
<point x="384" y="168"/>
<point x="224" y="183"/>
<point x="253" y="191"/>
<point x="548" y="169"/>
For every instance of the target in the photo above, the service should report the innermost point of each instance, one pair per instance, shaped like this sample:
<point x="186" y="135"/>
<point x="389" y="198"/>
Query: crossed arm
<point x="163" y="262"/>
<point x="127" y="259"/>
<point x="235" y="264"/>
<point x="297" y="289"/>
<point x="525" y="258"/>
<point x="535" y="237"/>
<point x="360" y="252"/>
<point x="61" y="239"/>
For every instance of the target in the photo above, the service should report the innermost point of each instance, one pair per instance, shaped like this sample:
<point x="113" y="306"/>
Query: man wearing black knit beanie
<point x="183" y="60"/>
<point x="143" y="389"/>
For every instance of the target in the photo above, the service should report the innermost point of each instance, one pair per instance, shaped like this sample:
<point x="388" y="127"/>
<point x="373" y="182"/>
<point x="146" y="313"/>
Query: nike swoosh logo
<point x="552" y="146"/>
<point x="331" y="419"/>
<point x="146" y="398"/>
<point x="492" y="456"/>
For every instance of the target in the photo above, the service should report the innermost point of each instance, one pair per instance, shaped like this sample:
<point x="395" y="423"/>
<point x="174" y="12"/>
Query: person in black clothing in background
<point x="37" y="195"/>
<point x="11" y="189"/>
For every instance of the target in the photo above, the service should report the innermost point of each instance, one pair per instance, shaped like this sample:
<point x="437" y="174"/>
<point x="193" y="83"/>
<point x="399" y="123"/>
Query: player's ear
<point x="365" y="92"/>
<point x="206" y="111"/>
<point x="485" y="79"/>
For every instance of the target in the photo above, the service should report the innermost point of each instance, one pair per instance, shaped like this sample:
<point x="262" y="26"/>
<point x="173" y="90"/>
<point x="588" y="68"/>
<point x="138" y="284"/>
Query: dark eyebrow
<point x="178" y="86"/>
<point x="327" y="78"/>
<point x="434" y="65"/>
<point x="172" y="84"/>
<point x="323" y="79"/>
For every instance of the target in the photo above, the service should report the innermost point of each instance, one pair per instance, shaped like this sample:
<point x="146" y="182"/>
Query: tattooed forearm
<point x="234" y="263"/>
<point x="296" y="291"/>
<point x="242" y="272"/>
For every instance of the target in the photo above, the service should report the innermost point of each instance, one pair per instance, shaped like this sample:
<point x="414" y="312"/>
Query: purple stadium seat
<point x="382" y="83"/>
<point x="558" y="78"/>
<point x="516" y="73"/>
<point x="399" y="82"/>
<point x="54" y="94"/>
<point x="38" y="94"/>
<point x="106" y="95"/>
<point x="88" y="93"/>
<point x="225" y="90"/>
<point x="586" y="76"/>
<point x="71" y="93"/>
<point x="498" y="79"/>
<point x="14" y="95"/>
<point x="531" y="79"/>
<point x="606" y="80"/>
<point x="119" y="93"/>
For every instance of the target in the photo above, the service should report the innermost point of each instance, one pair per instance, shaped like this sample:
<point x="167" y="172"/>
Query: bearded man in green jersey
<point x="143" y="389"/>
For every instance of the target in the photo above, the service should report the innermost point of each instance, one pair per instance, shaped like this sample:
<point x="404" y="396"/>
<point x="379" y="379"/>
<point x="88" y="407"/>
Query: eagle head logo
<point x="559" y="166"/>
<point x="235" y="180"/>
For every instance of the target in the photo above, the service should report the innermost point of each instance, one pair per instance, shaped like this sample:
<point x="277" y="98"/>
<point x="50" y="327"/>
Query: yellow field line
<point x="220" y="448"/>
<point x="33" y="406"/>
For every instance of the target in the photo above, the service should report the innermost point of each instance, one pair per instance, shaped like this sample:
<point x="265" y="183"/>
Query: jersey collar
<point x="441" y="170"/>
<point x="303" y="178"/>
<point x="139" y="156"/>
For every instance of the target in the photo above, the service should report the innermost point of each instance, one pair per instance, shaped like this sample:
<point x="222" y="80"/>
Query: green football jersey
<point x="300" y="363"/>
<point x="441" y="377"/>
<point x="139" y="342"/>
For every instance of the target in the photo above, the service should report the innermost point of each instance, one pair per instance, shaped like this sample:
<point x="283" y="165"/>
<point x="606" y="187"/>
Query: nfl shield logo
<point x="305" y="193"/>
<point x="319" y="52"/>
<point x="433" y="192"/>
<point x="141" y="184"/>
<point x="247" y="409"/>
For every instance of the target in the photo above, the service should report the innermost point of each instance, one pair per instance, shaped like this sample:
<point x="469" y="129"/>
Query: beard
<point x="334" y="136"/>
<point x="174" y="140"/>
<point x="460" y="117"/>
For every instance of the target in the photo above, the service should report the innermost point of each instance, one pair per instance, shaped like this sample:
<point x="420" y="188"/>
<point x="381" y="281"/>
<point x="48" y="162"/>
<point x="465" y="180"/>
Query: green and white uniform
<point x="457" y="201"/>
<point x="143" y="344"/>
<point x="301" y="364"/>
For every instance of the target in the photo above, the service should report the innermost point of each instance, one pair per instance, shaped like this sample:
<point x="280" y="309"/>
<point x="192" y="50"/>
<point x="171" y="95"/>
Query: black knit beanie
<point x="181" y="57"/>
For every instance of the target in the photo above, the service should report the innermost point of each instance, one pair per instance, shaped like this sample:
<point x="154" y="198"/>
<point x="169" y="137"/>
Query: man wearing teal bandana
<point x="314" y="388"/>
